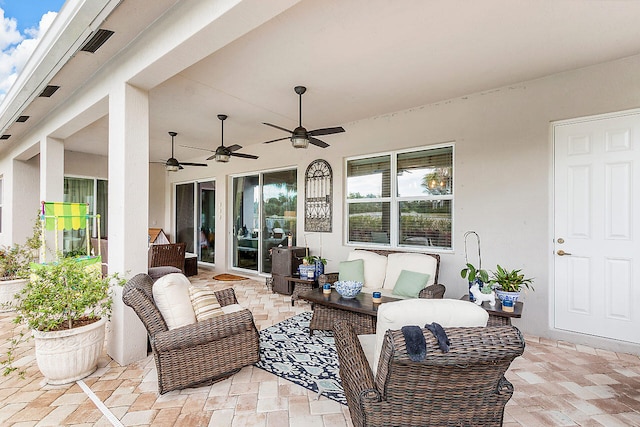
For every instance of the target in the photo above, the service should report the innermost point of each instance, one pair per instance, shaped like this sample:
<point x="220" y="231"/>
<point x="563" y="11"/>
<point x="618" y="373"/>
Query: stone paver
<point x="556" y="384"/>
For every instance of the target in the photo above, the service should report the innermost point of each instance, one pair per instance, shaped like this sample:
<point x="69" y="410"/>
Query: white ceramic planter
<point x="8" y="288"/>
<point x="69" y="355"/>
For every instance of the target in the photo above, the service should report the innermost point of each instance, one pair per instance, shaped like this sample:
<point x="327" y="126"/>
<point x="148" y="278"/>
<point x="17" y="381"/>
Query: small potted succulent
<point x="312" y="266"/>
<point x="509" y="283"/>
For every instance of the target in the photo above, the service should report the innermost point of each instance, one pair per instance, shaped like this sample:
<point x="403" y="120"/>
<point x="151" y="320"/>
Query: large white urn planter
<point x="69" y="355"/>
<point x="8" y="288"/>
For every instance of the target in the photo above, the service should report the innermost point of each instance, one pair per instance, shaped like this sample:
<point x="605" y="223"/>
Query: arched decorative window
<point x="318" y="204"/>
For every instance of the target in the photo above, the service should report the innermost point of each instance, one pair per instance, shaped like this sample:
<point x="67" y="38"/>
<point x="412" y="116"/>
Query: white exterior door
<point x="597" y="226"/>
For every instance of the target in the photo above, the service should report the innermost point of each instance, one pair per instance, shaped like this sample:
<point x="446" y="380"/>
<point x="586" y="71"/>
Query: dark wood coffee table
<point x="360" y="311"/>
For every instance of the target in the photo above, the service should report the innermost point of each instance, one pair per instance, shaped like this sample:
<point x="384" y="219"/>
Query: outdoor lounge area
<point x="407" y="149"/>
<point x="556" y="384"/>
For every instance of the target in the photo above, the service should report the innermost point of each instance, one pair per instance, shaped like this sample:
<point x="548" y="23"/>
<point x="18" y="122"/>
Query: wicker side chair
<point x="465" y="386"/>
<point x="169" y="254"/>
<point x="202" y="353"/>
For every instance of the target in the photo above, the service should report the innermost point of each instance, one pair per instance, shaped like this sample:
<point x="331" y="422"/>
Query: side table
<point x="497" y="317"/>
<point x="300" y="285"/>
<point x="190" y="264"/>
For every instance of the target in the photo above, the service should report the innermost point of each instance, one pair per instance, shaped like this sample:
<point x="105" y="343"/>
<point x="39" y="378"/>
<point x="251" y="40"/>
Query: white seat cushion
<point x="420" y="263"/>
<point x="368" y="344"/>
<point x="374" y="267"/>
<point x="419" y="311"/>
<point x="171" y="294"/>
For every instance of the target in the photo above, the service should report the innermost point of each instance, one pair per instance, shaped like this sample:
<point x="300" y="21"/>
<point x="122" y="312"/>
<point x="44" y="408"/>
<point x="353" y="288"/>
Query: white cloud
<point x="17" y="48"/>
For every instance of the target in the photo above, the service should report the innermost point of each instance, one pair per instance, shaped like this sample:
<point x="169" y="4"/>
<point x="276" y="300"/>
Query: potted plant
<point x="509" y="283"/>
<point x="312" y="266"/>
<point x="14" y="267"/>
<point x="66" y="304"/>
<point x="475" y="276"/>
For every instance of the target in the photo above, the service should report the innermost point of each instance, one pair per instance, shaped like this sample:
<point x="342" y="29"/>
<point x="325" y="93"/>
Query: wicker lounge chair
<point x="465" y="386"/>
<point x="196" y="354"/>
<point x="170" y="254"/>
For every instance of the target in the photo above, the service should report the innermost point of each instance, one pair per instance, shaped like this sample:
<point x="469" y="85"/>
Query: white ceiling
<point x="364" y="58"/>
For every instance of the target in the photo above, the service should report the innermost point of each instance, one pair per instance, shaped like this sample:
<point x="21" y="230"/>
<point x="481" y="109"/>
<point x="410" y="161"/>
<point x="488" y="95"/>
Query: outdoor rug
<point x="287" y="350"/>
<point x="225" y="277"/>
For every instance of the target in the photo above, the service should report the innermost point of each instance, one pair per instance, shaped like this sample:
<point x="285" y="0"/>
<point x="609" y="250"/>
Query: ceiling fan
<point x="173" y="165"/>
<point x="222" y="153"/>
<point x="300" y="137"/>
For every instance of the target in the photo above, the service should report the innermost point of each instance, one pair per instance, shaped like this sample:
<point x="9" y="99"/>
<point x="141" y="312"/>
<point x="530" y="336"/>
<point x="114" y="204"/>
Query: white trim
<point x="101" y="406"/>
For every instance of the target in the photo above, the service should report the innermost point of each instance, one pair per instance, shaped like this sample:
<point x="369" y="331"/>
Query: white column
<point x="51" y="188"/>
<point x="128" y="212"/>
<point x="51" y="169"/>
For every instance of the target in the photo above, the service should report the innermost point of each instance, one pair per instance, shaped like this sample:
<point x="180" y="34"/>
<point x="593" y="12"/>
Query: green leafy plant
<point x="470" y="272"/>
<point x="15" y="260"/>
<point x="65" y="294"/>
<point x="510" y="280"/>
<point x="311" y="259"/>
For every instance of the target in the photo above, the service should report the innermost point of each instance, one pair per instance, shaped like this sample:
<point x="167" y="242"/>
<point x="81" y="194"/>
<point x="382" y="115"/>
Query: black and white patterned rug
<point x="287" y="350"/>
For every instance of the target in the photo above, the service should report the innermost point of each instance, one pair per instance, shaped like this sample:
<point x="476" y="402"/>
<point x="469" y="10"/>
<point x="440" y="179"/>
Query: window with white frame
<point x="401" y="199"/>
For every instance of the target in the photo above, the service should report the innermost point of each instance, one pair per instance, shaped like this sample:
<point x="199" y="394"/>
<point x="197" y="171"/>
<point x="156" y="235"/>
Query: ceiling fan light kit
<point x="300" y="138"/>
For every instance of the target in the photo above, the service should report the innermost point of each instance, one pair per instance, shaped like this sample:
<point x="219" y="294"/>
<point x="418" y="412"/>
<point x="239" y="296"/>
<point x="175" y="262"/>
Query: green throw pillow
<point x="351" y="270"/>
<point x="410" y="283"/>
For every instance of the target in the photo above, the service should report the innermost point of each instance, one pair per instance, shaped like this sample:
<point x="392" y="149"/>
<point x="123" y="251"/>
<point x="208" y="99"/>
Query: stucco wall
<point x="503" y="171"/>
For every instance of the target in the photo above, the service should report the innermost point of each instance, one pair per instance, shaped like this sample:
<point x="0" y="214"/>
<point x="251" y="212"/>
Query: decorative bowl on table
<point x="348" y="288"/>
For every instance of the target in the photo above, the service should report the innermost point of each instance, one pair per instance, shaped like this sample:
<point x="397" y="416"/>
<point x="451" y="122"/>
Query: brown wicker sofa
<point x="203" y="352"/>
<point x="436" y="290"/>
<point x="465" y="386"/>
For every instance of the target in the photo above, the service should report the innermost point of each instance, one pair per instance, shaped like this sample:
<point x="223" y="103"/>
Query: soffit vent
<point x="5" y="136"/>
<point x="22" y="119"/>
<point x="49" y="90"/>
<point x="97" y="40"/>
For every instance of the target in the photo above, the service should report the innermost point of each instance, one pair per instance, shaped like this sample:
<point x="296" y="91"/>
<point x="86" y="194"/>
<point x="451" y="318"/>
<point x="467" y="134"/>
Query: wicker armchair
<point x="170" y="254"/>
<point x="201" y="353"/>
<point x="465" y="386"/>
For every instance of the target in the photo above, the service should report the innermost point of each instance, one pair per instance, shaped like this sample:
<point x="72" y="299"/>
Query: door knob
<point x="562" y="253"/>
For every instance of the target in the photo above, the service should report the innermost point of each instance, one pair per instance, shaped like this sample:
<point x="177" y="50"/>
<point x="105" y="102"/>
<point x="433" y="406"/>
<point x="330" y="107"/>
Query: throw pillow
<point x="351" y="270"/>
<point x="375" y="267"/>
<point x="410" y="283"/>
<point x="420" y="263"/>
<point x="204" y="301"/>
<point x="171" y="295"/>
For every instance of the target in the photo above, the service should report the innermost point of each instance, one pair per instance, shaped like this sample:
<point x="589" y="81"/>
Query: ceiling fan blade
<point x="234" y="147"/>
<point x="192" y="164"/>
<point x="326" y="131"/>
<point x="317" y="142"/>
<point x="277" y="127"/>
<point x="243" y="155"/>
<point x="274" y="140"/>
<point x="196" y="148"/>
<point x="180" y="167"/>
<point x="211" y="157"/>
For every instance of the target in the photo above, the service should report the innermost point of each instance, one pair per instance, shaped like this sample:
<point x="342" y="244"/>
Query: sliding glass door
<point x="246" y="201"/>
<point x="264" y="213"/>
<point x="93" y="192"/>
<point x="207" y="238"/>
<point x="195" y="218"/>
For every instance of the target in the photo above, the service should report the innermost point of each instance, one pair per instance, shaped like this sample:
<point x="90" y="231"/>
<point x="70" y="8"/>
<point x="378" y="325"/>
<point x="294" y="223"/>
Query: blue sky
<point x="22" y="24"/>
